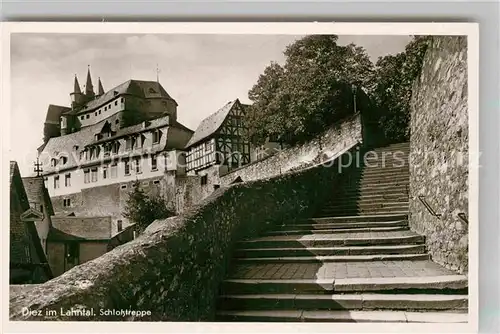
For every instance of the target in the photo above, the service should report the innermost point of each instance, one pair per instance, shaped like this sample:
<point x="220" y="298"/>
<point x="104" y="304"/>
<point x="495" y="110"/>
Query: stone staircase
<point x="355" y="261"/>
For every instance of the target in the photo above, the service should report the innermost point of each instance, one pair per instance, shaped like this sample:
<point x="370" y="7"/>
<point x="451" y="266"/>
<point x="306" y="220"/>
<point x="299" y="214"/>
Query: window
<point x="114" y="168"/>
<point x="94" y="174"/>
<point x="204" y="179"/>
<point x="41" y="208"/>
<point x="119" y="225"/>
<point x="137" y="163"/>
<point x="67" y="180"/>
<point x="154" y="160"/>
<point x="156" y="136"/>
<point x="53" y="162"/>
<point x="105" y="108"/>
<point x="95" y="114"/>
<point x="104" y="172"/>
<point x="116" y="102"/>
<point x="88" y="116"/>
<point x="63" y="160"/>
<point x="122" y="100"/>
<point x="114" y="147"/>
<point x="156" y="182"/>
<point x="82" y="117"/>
<point x="139" y="141"/>
<point x="127" y="166"/>
<point x="86" y="176"/>
<point x="67" y="202"/>
<point x="99" y="111"/>
<point x="72" y="251"/>
<point x="56" y="182"/>
<point x="124" y="186"/>
<point x="129" y="143"/>
<point x="117" y="121"/>
<point x="107" y="149"/>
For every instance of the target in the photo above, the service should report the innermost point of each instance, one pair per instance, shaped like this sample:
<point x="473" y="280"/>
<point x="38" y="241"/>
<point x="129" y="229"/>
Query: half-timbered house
<point x="218" y="140"/>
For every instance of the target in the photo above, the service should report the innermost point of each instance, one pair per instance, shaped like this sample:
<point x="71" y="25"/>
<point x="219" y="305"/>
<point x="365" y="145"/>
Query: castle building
<point x="96" y="148"/>
<point x="218" y="141"/>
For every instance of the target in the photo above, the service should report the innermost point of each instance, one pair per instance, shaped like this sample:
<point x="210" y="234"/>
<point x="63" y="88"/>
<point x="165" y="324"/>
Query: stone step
<point x="343" y="302"/>
<point x="324" y="251"/>
<point x="444" y="282"/>
<point x="252" y="286"/>
<point x="335" y="258"/>
<point x="367" y="199"/>
<point x="340" y="213"/>
<point x="332" y="240"/>
<point x="388" y="184"/>
<point x="342" y="316"/>
<point x="343" y="225"/>
<point x="374" y="178"/>
<point x="380" y="189"/>
<point x="358" y="218"/>
<point x="337" y="231"/>
<point x="367" y="171"/>
<point x="367" y="205"/>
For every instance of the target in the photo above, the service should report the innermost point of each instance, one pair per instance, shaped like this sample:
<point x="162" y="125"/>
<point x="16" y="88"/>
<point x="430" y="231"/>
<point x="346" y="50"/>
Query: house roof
<point x="72" y="144"/>
<point x="144" y="89"/>
<point x="211" y="124"/>
<point x="80" y="228"/>
<point x="54" y="112"/>
<point x="17" y="239"/>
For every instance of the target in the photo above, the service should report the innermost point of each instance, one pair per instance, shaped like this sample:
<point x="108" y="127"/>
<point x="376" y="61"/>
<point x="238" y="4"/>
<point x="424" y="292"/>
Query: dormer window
<point x="63" y="160"/>
<point x="152" y="91"/>
<point x="129" y="143"/>
<point x="115" y="147"/>
<point x="156" y="136"/>
<point x="75" y="147"/>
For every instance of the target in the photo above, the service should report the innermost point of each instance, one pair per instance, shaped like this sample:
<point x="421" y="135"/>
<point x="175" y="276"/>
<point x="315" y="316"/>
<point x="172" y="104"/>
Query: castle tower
<point x="100" y="89"/>
<point x="89" y="88"/>
<point x="77" y="98"/>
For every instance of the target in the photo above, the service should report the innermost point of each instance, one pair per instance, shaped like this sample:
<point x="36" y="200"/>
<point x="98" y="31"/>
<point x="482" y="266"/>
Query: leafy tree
<point x="392" y="85"/>
<point x="142" y="209"/>
<point x="312" y="90"/>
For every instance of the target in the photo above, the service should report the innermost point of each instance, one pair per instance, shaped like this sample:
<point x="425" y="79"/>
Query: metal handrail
<point x="428" y="207"/>
<point x="463" y="217"/>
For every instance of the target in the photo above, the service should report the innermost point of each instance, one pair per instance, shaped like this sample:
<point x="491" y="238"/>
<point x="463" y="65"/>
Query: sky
<point x="201" y="72"/>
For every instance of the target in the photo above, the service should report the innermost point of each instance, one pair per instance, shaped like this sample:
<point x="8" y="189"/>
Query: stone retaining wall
<point x="439" y="152"/>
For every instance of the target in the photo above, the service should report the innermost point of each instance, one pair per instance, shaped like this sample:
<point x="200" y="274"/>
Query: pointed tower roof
<point x="76" y="87"/>
<point x="89" y="88"/>
<point x="100" y="90"/>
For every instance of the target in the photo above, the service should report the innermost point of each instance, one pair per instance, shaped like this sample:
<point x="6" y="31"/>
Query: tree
<point x="312" y="90"/>
<point x="142" y="209"/>
<point x="392" y="85"/>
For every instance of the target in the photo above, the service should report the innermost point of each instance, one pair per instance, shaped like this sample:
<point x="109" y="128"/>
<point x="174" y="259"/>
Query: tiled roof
<point x="36" y="192"/>
<point x="54" y="113"/>
<point x="152" y="124"/>
<point x="144" y="89"/>
<point x="211" y="124"/>
<point x="18" y="233"/>
<point x="80" y="228"/>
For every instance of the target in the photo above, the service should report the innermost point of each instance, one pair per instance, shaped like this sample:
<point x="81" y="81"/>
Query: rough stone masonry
<point x="439" y="152"/>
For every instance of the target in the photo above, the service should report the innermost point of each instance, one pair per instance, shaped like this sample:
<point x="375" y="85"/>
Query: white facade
<point x="96" y="115"/>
